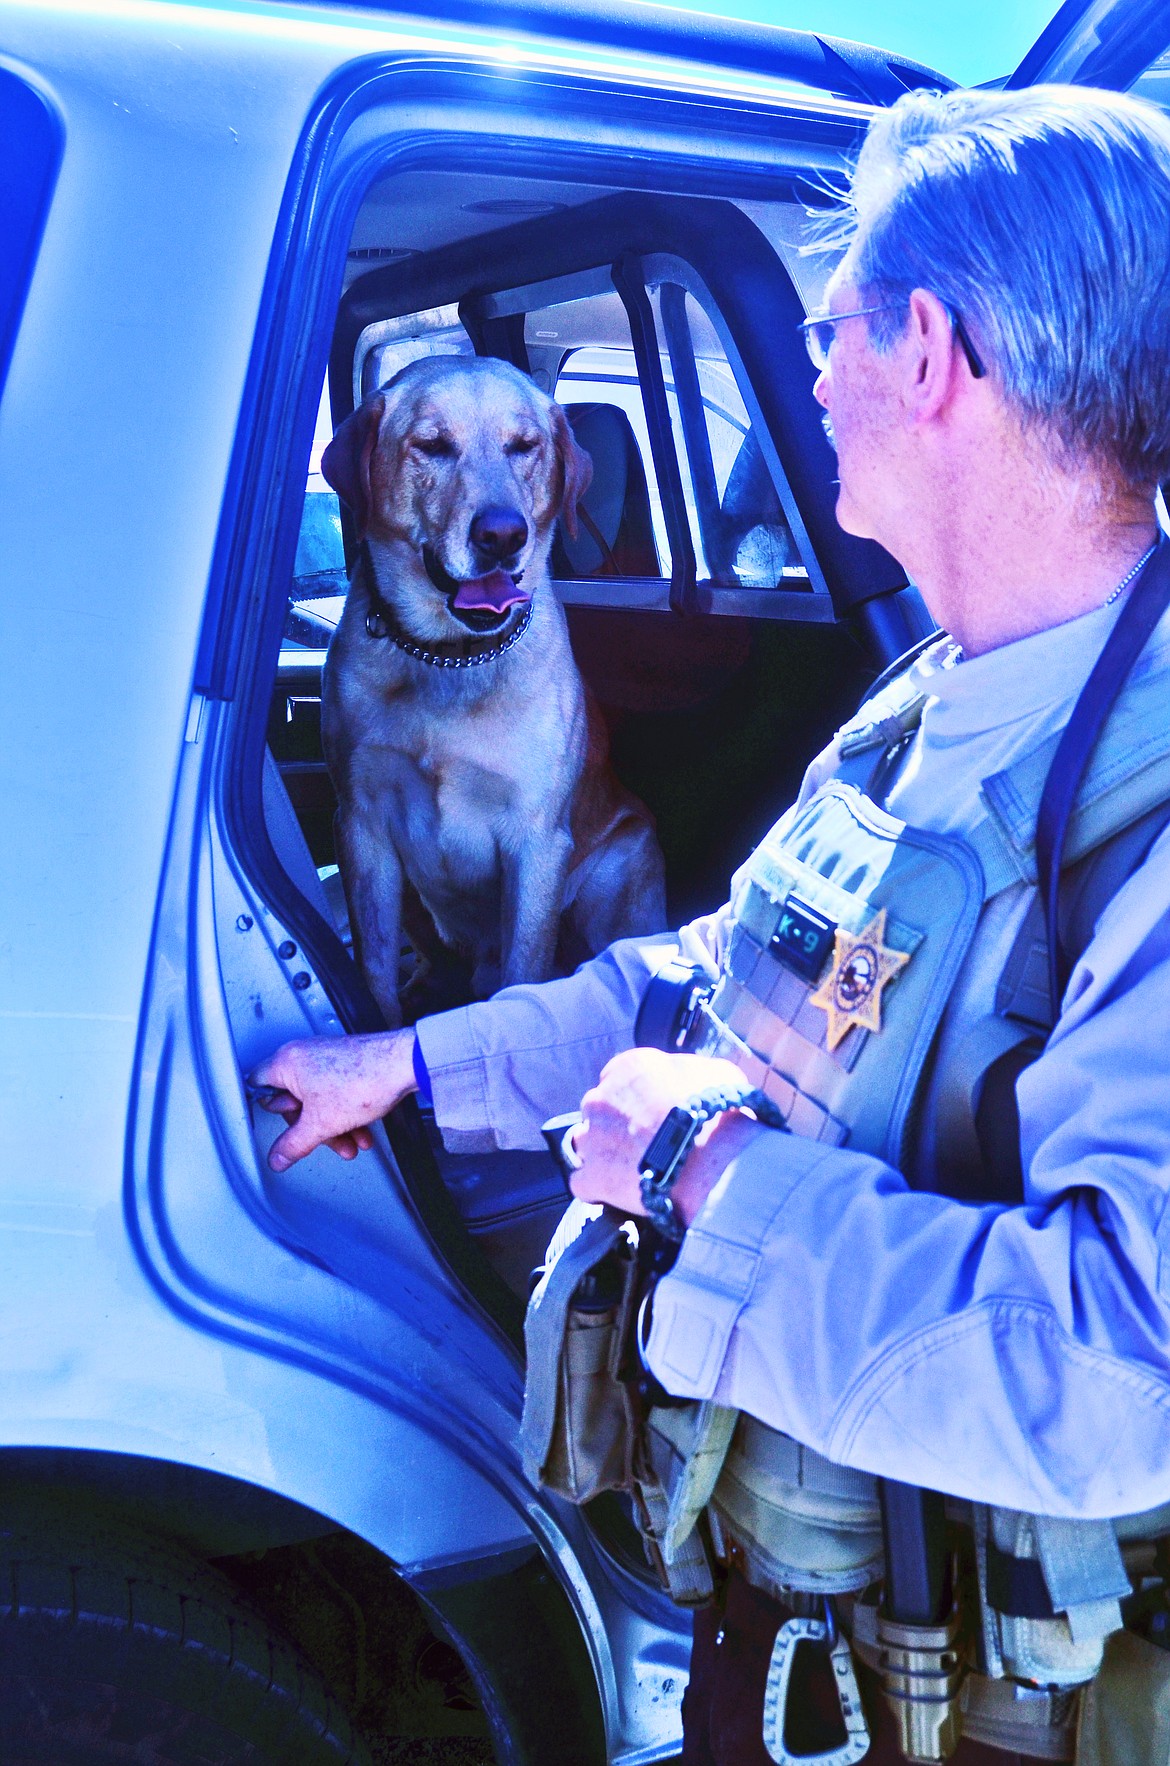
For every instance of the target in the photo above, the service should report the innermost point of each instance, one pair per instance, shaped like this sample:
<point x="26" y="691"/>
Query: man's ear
<point x="939" y="367"/>
<point x="345" y="464"/>
<point x="575" y="467"/>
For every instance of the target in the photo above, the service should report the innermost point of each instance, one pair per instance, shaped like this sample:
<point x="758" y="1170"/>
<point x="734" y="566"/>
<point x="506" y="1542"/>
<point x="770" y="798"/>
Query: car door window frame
<point x="32" y="142"/>
<point x="368" y="120"/>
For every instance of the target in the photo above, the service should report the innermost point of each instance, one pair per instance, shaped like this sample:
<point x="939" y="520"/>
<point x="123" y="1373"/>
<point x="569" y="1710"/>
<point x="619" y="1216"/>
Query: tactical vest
<point x="850" y="931"/>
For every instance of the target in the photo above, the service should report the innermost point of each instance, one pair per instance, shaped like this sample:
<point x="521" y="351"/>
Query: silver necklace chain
<point x="1130" y="574"/>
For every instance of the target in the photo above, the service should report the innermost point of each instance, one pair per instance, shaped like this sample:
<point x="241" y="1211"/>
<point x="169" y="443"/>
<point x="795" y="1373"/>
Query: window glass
<point x="319" y="584"/>
<point x="797" y="234"/>
<point x="30" y="152"/>
<point x="739" y="530"/>
<point x="581" y="350"/>
<point x="391" y="344"/>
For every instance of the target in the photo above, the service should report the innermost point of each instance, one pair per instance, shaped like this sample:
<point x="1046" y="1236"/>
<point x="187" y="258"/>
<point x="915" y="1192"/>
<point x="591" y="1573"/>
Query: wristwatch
<point x="665" y="1156"/>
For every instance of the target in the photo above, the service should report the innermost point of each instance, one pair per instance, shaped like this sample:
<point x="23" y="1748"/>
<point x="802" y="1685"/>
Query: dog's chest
<point x="452" y="811"/>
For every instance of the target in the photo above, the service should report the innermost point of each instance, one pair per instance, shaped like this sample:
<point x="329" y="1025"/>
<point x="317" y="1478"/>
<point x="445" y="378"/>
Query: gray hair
<point x="1042" y="219"/>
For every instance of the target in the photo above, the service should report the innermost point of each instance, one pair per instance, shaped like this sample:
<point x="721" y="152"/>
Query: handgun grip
<point x="557" y="1132"/>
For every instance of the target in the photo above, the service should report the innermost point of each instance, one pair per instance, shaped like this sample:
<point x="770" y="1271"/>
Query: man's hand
<point x="331" y="1088"/>
<point x="624" y="1111"/>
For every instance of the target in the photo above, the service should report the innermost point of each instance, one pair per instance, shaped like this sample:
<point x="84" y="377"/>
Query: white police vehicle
<point x="260" y="1494"/>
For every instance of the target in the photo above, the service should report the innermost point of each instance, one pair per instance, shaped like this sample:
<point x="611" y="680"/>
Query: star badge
<point x="851" y="993"/>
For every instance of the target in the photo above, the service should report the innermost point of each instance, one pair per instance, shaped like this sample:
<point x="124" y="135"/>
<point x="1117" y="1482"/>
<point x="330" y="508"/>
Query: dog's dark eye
<point x="436" y="447"/>
<point x="522" y="444"/>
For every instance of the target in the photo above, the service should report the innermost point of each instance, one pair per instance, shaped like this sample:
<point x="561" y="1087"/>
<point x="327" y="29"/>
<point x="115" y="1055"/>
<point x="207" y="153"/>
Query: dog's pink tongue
<point x="494" y="593"/>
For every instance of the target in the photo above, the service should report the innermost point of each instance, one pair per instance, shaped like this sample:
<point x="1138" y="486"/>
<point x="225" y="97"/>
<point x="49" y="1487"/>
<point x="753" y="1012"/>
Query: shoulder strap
<point x="1148" y="600"/>
<point x="1086" y="889"/>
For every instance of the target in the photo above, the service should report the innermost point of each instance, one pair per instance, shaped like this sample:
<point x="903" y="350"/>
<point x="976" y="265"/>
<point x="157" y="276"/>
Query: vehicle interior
<point x="696" y="595"/>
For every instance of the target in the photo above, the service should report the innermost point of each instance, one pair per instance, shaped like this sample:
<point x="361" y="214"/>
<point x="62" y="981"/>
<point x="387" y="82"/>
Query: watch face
<point x="670" y="1146"/>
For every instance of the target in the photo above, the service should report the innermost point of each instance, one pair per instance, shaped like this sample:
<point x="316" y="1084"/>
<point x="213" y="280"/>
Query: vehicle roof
<point x="849" y="70"/>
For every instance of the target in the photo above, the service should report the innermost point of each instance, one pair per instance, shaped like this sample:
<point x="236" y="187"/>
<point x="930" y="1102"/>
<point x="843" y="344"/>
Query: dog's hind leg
<point x="622" y="891"/>
<point x="372" y="875"/>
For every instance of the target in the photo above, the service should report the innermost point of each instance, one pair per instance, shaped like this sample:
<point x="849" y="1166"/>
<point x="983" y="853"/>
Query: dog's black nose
<point x="498" y="533"/>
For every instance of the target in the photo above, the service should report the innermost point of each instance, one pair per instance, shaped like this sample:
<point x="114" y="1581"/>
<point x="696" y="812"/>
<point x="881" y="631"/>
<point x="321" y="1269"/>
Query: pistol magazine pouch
<point x="577" y="1432"/>
<point x="583" y="1430"/>
<point x="1050" y="1593"/>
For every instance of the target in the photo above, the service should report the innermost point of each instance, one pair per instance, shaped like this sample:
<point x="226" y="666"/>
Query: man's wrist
<point x="387" y="1067"/>
<point x="720" y="1142"/>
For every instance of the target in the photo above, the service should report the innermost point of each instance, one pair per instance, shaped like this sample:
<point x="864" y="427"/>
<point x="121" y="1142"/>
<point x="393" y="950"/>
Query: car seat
<point x="615" y="535"/>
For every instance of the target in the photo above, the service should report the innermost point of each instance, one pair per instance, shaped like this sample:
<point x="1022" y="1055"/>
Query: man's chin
<point x="851" y="519"/>
<point x="855" y="520"/>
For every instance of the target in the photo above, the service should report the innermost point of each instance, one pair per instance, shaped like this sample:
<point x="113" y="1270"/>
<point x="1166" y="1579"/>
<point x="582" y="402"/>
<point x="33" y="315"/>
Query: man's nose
<point x="819" y="392"/>
<point x="498" y="532"/>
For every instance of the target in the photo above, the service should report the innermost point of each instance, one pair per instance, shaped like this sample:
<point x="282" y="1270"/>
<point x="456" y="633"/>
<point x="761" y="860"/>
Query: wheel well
<point x="483" y="1660"/>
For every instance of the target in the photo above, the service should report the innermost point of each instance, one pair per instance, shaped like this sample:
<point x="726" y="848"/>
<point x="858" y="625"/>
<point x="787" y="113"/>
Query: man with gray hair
<point x="915" y="1160"/>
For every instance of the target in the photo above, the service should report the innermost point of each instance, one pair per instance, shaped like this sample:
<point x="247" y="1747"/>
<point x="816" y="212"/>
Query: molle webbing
<point x="846" y="861"/>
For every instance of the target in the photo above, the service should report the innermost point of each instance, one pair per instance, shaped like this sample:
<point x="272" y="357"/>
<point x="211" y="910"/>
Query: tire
<point x="120" y="1650"/>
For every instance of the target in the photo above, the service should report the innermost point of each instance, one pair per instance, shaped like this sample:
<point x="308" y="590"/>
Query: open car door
<point x="1112" y="43"/>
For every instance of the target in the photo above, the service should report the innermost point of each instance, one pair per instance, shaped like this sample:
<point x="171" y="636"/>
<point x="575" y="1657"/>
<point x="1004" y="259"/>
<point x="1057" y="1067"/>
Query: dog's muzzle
<point x="482" y="603"/>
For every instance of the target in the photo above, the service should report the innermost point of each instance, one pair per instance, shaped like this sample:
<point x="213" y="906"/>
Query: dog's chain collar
<point x="376" y="626"/>
<point x="380" y="623"/>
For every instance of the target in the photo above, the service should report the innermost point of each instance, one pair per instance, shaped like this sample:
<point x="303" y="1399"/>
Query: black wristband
<point x="665" y="1156"/>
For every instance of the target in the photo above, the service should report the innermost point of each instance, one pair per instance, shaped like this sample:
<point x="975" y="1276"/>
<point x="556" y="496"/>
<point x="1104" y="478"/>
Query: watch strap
<point x="665" y="1156"/>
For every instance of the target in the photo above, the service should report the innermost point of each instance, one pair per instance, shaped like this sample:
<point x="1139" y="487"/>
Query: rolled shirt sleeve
<point x="1017" y="1355"/>
<point x="500" y="1068"/>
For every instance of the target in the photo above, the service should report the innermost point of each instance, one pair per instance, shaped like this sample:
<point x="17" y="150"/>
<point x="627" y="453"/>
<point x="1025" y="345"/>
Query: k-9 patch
<point x="803" y="939"/>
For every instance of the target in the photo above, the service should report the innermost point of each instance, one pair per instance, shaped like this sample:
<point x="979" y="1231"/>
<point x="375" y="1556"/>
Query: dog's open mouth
<point x="481" y="603"/>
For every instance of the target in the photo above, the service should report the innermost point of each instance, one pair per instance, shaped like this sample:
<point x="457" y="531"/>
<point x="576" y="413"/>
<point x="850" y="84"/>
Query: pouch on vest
<point x="577" y="1430"/>
<point x="583" y="1431"/>
<point x="1125" y="1713"/>
<point x="1050" y="1593"/>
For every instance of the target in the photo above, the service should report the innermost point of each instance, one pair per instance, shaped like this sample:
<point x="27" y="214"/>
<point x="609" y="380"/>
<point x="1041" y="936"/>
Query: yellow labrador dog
<point x="469" y="760"/>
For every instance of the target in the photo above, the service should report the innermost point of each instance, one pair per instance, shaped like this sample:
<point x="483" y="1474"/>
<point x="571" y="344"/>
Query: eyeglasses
<point x="819" y="329"/>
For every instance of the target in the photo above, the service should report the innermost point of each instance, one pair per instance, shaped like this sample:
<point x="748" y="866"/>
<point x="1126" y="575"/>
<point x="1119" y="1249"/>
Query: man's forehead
<point x="840" y="292"/>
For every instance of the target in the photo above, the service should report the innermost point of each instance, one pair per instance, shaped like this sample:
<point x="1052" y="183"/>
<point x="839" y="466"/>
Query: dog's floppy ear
<point x="345" y="464"/>
<point x="576" y="469"/>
